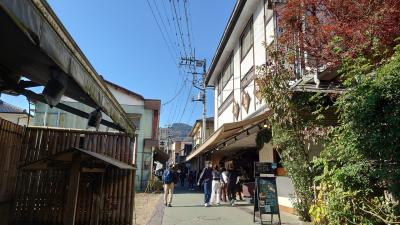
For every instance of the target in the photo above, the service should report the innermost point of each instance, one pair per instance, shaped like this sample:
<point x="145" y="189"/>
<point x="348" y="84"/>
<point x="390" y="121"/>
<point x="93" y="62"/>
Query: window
<point x="135" y="118"/>
<point x="224" y="78"/>
<point x="246" y="41"/>
<point x="228" y="72"/>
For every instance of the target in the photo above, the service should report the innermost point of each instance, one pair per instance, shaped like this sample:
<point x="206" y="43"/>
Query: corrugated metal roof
<point x="8" y="108"/>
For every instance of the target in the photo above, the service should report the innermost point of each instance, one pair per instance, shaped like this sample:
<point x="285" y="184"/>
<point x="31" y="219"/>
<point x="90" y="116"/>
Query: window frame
<point x="249" y="28"/>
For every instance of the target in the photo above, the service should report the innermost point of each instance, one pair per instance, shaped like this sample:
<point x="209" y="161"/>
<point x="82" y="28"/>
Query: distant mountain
<point x="180" y="130"/>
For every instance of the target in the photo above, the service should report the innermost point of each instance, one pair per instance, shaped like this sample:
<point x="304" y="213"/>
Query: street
<point x="187" y="208"/>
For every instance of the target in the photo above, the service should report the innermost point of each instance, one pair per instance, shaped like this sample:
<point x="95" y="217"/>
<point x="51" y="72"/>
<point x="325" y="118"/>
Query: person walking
<point x="191" y="180"/>
<point x="205" y="179"/>
<point x="224" y="184"/>
<point x="216" y="186"/>
<point x="169" y="179"/>
<point x="233" y="175"/>
<point x="182" y="177"/>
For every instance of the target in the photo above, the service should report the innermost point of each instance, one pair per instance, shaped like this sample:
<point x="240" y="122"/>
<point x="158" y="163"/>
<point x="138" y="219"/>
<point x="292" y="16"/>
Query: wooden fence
<point x="10" y="141"/>
<point x="40" y="196"/>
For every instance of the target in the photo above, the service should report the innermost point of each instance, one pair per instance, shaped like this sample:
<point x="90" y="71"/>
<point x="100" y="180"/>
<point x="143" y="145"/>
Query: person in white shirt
<point x="216" y="185"/>
<point x="224" y="185"/>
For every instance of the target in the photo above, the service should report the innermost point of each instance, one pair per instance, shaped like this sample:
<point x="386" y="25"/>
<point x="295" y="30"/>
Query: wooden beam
<point x="73" y="190"/>
<point x="93" y="170"/>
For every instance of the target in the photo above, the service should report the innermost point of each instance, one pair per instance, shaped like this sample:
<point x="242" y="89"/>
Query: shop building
<point x="239" y="111"/>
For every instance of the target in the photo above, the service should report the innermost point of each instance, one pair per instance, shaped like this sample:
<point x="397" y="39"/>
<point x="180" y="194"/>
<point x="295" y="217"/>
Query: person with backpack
<point x="205" y="179"/>
<point x="169" y="179"/>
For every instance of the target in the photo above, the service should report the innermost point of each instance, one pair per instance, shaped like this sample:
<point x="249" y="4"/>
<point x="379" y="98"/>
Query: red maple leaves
<point x="329" y="30"/>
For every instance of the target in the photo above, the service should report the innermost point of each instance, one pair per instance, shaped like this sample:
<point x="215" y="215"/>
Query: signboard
<point x="267" y="195"/>
<point x="264" y="168"/>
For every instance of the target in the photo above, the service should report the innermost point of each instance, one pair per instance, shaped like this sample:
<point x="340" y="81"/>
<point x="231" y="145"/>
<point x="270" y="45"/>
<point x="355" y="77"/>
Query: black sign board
<point x="266" y="194"/>
<point x="264" y="168"/>
<point x="266" y="199"/>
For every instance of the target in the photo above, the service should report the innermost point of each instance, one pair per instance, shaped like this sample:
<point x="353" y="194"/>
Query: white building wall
<point x="216" y="122"/>
<point x="123" y="98"/>
<point x="247" y="63"/>
<point x="256" y="57"/>
<point x="17" y="118"/>
<point x="226" y="116"/>
<point x="259" y="36"/>
<point x="236" y="66"/>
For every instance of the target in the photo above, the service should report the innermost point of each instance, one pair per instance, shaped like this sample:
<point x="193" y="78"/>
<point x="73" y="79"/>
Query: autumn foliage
<point x="330" y="30"/>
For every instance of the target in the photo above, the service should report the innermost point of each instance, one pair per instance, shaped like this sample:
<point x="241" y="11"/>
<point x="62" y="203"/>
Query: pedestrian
<point x="182" y="177"/>
<point x="224" y="183"/>
<point x="216" y="185"/>
<point x="233" y="175"/>
<point x="191" y="180"/>
<point x="239" y="182"/>
<point x="169" y="178"/>
<point x="205" y="179"/>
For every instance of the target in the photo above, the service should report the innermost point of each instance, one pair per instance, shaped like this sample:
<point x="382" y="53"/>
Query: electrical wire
<point x="162" y="33"/>
<point x="185" y="3"/>
<point x="186" y="103"/>
<point x="177" y="19"/>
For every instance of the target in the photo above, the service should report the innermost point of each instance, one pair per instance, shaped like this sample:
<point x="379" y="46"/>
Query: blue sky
<point x="124" y="44"/>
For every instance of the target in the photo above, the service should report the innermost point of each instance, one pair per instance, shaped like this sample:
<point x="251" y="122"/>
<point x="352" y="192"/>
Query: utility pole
<point x="195" y="63"/>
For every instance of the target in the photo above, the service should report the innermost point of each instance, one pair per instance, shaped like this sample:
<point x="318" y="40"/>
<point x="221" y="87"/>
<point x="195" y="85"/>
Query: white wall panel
<point x="226" y="116"/>
<point x="269" y="31"/>
<point x="247" y="62"/>
<point x="125" y="99"/>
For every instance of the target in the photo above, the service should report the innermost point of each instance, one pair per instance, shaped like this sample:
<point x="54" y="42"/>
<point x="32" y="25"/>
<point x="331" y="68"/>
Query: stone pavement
<point x="188" y="209"/>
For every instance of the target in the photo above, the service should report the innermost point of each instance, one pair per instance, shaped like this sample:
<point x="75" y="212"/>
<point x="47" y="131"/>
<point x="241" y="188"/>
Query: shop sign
<point x="264" y="168"/>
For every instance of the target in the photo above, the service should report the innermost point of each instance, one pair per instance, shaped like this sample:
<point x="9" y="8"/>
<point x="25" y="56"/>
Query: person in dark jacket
<point x="205" y="179"/>
<point x="170" y="178"/>
<point x="232" y="187"/>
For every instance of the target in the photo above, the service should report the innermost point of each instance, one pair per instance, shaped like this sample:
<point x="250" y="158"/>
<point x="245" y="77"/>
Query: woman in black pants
<point x="232" y="178"/>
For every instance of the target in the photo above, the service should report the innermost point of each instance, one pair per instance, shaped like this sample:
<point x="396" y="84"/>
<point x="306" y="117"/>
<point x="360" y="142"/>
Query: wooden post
<point x="72" y="195"/>
<point x="98" y="203"/>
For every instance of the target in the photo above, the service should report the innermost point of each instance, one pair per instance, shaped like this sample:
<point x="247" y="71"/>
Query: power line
<point x="186" y="103"/>
<point x="162" y="33"/>
<point x="177" y="93"/>
<point x="163" y="24"/>
<point x="185" y="3"/>
<point x="177" y="19"/>
<point x="170" y="27"/>
<point x="191" y="113"/>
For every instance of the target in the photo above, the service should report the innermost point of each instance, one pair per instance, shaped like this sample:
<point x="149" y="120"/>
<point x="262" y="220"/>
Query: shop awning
<point x="90" y="160"/>
<point x="225" y="132"/>
<point x="35" y="45"/>
<point x="160" y="155"/>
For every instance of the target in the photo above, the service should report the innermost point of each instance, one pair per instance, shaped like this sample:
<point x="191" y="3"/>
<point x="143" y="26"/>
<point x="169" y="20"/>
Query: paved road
<point x="188" y="209"/>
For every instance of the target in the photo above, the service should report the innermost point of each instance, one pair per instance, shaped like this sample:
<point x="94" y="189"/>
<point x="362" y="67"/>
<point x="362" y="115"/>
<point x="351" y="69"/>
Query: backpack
<point x="167" y="177"/>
